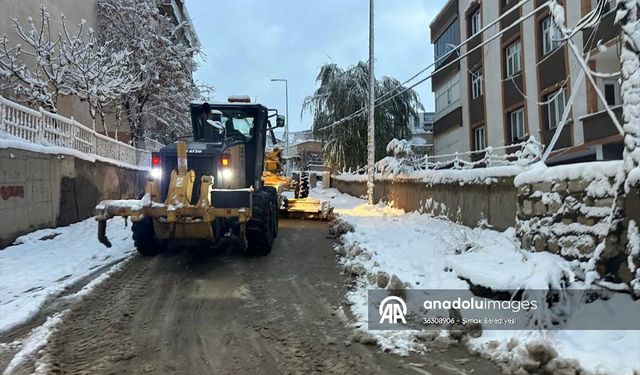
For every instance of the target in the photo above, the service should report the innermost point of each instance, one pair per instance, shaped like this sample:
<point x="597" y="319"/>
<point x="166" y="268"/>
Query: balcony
<point x="564" y="140"/>
<point x="598" y="125"/>
<point x="606" y="31"/>
<point x="451" y="120"/>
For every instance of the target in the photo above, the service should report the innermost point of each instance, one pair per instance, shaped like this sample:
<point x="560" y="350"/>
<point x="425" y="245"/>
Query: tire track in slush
<point x="191" y="311"/>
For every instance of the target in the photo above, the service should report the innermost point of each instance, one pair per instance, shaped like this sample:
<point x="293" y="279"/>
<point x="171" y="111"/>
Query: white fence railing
<point x="50" y="129"/>
<point x="523" y="153"/>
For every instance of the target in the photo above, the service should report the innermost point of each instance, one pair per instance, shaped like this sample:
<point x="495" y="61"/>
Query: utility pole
<point x="371" y="145"/>
<point x="629" y="59"/>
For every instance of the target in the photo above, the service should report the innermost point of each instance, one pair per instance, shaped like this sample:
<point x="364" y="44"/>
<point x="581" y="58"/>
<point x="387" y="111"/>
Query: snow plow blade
<point x="102" y="233"/>
<point x="182" y="221"/>
<point x="307" y="208"/>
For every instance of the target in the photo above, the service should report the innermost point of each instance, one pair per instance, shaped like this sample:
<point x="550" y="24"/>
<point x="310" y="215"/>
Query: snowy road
<point x="200" y="312"/>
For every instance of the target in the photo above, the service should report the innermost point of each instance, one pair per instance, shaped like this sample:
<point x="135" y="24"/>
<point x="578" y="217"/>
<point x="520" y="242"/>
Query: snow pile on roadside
<point x="382" y="246"/>
<point x="36" y="340"/>
<point x="43" y="263"/>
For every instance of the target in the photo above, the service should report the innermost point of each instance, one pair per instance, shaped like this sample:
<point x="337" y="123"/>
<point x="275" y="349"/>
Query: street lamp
<point x="286" y="124"/>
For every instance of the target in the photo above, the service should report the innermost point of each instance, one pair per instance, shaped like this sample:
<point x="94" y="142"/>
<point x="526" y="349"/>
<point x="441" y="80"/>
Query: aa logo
<point x="393" y="309"/>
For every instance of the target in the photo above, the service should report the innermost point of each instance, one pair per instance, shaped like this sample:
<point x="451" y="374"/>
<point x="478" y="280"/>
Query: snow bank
<point x="36" y="340"/>
<point x="423" y="252"/>
<point x="43" y="263"/>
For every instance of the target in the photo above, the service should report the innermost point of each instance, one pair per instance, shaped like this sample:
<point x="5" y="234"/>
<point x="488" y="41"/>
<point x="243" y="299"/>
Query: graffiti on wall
<point x="7" y="192"/>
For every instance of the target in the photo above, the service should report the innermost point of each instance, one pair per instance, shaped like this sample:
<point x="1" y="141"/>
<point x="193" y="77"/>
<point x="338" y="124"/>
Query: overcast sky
<point x="248" y="42"/>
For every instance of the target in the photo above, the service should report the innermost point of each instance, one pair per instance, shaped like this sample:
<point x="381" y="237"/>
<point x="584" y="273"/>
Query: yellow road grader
<point x="241" y="187"/>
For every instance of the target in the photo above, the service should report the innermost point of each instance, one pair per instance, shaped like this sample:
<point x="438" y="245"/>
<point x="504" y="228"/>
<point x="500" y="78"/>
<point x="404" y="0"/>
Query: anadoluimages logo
<point x="392" y="309"/>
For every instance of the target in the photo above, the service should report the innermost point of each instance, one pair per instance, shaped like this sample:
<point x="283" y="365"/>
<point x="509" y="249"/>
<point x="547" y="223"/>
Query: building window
<point x="555" y="108"/>
<point x="478" y="139"/>
<point x="512" y="54"/>
<point x="550" y="36"/>
<point x="447" y="96"/>
<point x="516" y="119"/>
<point x="443" y="44"/>
<point x="611" y="93"/>
<point x="475" y="22"/>
<point x="476" y="84"/>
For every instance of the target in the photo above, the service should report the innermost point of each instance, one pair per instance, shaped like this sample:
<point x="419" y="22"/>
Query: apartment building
<point x="422" y="133"/>
<point x="517" y="85"/>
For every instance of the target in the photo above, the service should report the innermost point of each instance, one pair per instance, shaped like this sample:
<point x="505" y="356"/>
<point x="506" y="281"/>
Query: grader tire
<point x="304" y="185"/>
<point x="273" y="193"/>
<point x="144" y="237"/>
<point x="260" y="226"/>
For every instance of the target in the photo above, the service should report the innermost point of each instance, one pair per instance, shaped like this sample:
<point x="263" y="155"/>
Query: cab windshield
<point x="238" y="125"/>
<point x="231" y="124"/>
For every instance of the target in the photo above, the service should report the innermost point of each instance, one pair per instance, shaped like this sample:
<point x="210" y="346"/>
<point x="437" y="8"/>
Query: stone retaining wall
<point x="567" y="214"/>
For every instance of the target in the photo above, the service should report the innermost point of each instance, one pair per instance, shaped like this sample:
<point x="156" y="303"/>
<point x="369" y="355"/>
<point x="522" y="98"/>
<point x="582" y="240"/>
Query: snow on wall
<point x="483" y="176"/>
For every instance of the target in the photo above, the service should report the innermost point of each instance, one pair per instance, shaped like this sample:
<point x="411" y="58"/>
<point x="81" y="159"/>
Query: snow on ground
<point x="432" y="253"/>
<point x="43" y="263"/>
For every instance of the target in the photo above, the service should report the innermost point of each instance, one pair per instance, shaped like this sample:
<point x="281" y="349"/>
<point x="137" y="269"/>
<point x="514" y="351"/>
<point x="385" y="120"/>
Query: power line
<point x="493" y="37"/>
<point x="490" y="39"/>
<point x="492" y="23"/>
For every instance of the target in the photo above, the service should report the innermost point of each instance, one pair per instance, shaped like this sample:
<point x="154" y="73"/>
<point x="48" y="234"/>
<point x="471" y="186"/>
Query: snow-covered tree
<point x="43" y="66"/>
<point x="161" y="59"/>
<point x="34" y="68"/>
<point x="98" y="76"/>
<point x="205" y="92"/>
<point x="343" y="92"/>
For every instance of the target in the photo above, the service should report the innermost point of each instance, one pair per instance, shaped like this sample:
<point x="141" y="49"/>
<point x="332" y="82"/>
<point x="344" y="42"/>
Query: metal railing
<point x="53" y="130"/>
<point x="520" y="154"/>
<point x="523" y="153"/>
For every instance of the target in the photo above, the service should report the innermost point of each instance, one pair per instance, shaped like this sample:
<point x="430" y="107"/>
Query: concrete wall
<point x="41" y="190"/>
<point x="468" y="203"/>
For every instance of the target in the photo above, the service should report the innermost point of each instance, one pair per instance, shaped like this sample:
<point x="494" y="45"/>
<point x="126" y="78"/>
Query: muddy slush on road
<point x="200" y="312"/>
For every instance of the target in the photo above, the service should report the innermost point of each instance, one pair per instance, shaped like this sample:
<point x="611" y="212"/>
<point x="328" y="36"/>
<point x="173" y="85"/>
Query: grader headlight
<point x="156" y="173"/>
<point x="226" y="174"/>
<point x="225" y="167"/>
<point x="156" y="170"/>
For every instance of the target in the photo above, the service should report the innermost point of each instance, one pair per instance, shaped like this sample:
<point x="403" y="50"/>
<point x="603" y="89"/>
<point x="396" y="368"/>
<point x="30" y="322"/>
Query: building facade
<point x="422" y="133"/>
<point x="306" y="152"/>
<point x="517" y="85"/>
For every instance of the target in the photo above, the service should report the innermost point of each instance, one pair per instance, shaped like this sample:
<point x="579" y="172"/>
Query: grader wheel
<point x="260" y="226"/>
<point x="144" y="237"/>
